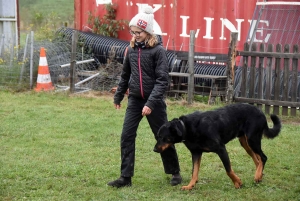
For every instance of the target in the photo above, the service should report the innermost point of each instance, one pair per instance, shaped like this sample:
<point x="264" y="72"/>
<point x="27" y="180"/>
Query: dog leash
<point x="184" y="130"/>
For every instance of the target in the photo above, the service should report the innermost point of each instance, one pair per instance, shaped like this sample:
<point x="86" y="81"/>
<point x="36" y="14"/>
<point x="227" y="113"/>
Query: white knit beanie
<point x="144" y="20"/>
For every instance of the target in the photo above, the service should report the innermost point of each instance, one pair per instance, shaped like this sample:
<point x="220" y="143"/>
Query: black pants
<point x="133" y="117"/>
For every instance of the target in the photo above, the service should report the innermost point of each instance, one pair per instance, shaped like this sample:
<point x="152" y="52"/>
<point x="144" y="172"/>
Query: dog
<point x="210" y="131"/>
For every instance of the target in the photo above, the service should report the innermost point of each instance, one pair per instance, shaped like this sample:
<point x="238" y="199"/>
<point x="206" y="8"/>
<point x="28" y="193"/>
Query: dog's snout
<point x="155" y="149"/>
<point x="159" y="148"/>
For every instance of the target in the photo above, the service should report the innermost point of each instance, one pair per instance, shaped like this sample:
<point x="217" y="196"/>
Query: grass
<point x="61" y="147"/>
<point x="32" y="11"/>
<point x="44" y="17"/>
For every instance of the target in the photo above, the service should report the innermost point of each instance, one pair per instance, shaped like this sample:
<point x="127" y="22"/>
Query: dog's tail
<point x="273" y="132"/>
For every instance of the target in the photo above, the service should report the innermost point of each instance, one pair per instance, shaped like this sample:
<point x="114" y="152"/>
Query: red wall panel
<point x="211" y="19"/>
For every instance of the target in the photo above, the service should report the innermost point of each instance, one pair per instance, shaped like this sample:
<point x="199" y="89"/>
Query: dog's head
<point x="168" y="134"/>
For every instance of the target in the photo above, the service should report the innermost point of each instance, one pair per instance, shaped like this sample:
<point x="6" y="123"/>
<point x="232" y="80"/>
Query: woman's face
<point x="139" y="34"/>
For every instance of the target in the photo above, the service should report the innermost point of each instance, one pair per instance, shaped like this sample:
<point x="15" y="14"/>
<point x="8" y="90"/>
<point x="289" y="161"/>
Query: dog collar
<point x="184" y="130"/>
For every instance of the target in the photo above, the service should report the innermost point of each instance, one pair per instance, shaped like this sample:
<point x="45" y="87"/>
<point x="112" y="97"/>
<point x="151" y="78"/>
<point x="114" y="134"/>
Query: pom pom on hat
<point x="148" y="10"/>
<point x="144" y="20"/>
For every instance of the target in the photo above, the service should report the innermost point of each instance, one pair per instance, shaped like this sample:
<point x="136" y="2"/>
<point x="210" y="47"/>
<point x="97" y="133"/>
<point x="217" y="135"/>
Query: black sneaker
<point x="176" y="179"/>
<point x="121" y="182"/>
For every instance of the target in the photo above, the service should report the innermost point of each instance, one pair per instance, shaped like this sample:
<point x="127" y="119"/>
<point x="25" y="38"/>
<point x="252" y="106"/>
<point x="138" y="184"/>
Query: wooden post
<point x="230" y="67"/>
<point x="294" y="80"/>
<point x="252" y="72"/>
<point x="73" y="61"/>
<point x="269" y="79"/>
<point x="260" y="76"/>
<point x="244" y="73"/>
<point x="277" y="79"/>
<point x="191" y="68"/>
<point x="286" y="74"/>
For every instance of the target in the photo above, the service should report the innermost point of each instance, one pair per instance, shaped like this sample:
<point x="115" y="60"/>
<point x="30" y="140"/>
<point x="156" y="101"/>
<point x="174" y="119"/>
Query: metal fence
<point x="99" y="62"/>
<point x="19" y="66"/>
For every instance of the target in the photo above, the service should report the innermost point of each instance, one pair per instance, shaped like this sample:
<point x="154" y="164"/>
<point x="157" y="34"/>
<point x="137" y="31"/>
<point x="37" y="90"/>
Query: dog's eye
<point x="167" y="140"/>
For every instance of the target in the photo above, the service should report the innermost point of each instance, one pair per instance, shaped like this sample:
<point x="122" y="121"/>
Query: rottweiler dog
<point x="210" y="131"/>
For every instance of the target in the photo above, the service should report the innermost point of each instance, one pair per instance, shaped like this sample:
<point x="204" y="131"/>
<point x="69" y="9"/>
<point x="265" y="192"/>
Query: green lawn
<point x="31" y="10"/>
<point x="44" y="17"/>
<point x="61" y="147"/>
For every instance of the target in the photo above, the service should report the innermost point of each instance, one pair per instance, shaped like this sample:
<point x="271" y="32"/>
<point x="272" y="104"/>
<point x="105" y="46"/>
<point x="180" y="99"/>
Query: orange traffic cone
<point x="43" y="80"/>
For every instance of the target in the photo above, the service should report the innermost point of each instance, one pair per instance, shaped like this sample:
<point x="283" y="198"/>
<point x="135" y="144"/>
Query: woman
<point x="145" y="74"/>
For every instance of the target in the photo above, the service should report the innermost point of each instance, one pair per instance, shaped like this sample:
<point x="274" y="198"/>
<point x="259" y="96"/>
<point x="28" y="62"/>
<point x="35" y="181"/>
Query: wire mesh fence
<point x="99" y="61"/>
<point x="19" y="66"/>
<point x="102" y="72"/>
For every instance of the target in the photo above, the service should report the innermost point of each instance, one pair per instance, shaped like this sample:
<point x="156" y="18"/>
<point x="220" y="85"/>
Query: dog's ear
<point x="168" y="125"/>
<point x="174" y="128"/>
<point x="183" y="118"/>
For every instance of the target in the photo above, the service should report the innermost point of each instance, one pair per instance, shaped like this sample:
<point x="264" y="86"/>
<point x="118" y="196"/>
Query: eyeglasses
<point x="136" y="33"/>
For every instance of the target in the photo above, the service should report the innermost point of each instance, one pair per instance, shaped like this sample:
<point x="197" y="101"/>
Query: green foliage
<point x="61" y="147"/>
<point x="44" y="17"/>
<point x="31" y="10"/>
<point x="107" y="25"/>
<point x="44" y="26"/>
<point x="38" y="18"/>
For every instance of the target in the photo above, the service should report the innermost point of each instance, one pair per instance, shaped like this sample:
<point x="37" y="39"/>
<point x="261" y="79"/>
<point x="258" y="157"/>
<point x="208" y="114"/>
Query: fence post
<point x="191" y="67"/>
<point x="2" y="44"/>
<point x="277" y="80"/>
<point x="73" y="61"/>
<point x="24" y="60"/>
<point x="31" y="60"/>
<point x="260" y="75"/>
<point x="269" y="78"/>
<point x="244" y="72"/>
<point x="286" y="75"/>
<point x="294" y="80"/>
<point x="252" y="71"/>
<point x="230" y="67"/>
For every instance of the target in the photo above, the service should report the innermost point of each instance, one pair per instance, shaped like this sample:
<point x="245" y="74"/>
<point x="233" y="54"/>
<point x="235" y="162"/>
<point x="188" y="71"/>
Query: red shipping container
<point x="212" y="20"/>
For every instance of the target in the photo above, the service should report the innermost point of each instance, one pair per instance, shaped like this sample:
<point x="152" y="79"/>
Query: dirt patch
<point x="292" y="122"/>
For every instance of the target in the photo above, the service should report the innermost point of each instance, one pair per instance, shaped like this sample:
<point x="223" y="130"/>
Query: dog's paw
<point x="238" y="184"/>
<point x="258" y="178"/>
<point x="185" y="188"/>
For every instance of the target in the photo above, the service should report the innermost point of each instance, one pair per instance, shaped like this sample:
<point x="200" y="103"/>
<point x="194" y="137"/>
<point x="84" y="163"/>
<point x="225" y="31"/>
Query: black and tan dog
<point x="210" y="131"/>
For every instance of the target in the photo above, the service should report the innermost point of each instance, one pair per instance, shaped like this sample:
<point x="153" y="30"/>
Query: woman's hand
<point x="117" y="106"/>
<point x="146" y="111"/>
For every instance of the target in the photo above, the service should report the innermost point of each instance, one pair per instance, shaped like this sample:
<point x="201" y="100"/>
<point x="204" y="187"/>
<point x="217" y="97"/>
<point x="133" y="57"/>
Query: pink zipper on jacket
<point x="140" y="72"/>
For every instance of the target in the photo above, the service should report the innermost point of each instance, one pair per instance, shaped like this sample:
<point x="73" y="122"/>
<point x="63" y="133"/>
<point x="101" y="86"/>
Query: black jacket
<point x="145" y="74"/>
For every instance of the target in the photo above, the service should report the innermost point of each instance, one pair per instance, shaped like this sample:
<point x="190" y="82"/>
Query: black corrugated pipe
<point x="100" y="46"/>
